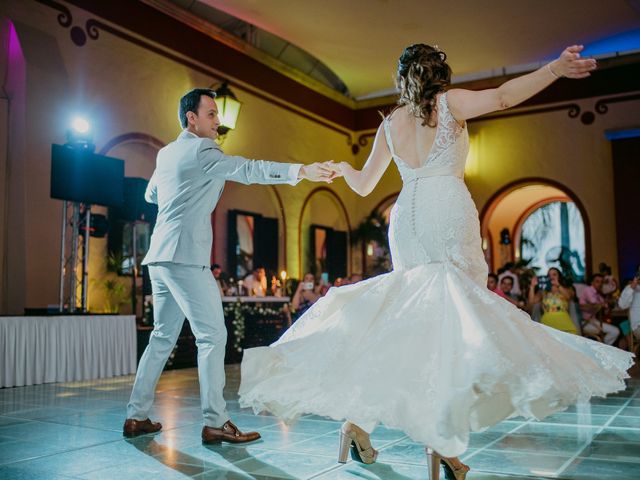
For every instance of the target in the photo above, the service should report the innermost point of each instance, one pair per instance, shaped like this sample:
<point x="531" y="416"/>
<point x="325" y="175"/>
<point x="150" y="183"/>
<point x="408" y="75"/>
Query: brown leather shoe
<point x="133" y="428"/>
<point x="227" y="433"/>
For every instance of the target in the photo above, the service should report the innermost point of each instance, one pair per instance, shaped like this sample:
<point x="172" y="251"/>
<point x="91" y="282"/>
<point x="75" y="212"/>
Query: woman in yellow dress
<point x="555" y="302"/>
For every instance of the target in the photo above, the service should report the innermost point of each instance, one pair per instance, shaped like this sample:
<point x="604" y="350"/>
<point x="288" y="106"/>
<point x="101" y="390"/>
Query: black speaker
<point x="135" y="206"/>
<point x="79" y="175"/>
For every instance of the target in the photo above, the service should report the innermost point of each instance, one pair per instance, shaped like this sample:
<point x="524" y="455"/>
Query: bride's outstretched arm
<point x="363" y="181"/>
<point x="465" y="104"/>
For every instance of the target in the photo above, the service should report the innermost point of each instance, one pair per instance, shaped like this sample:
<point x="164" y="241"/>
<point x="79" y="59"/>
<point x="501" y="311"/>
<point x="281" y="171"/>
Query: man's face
<point x="261" y="273"/>
<point x="217" y="272"/>
<point x="597" y="283"/>
<point x="506" y="284"/>
<point x="205" y="122"/>
<point x="491" y="283"/>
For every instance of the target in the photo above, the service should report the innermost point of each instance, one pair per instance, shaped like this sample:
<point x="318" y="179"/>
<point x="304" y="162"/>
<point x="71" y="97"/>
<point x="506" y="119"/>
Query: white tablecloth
<point x="36" y="350"/>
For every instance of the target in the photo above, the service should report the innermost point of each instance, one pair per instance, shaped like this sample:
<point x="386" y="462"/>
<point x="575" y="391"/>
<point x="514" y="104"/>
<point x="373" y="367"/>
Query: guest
<point x="306" y="295"/>
<point x="592" y="305"/>
<point x="223" y="286"/>
<point x="554" y="302"/>
<point x="355" y="278"/>
<point x="609" y="284"/>
<point x="325" y="284"/>
<point x="338" y="282"/>
<point x="492" y="282"/>
<point x="630" y="298"/>
<point x="255" y="283"/>
<point x="506" y="287"/>
<point x="509" y="271"/>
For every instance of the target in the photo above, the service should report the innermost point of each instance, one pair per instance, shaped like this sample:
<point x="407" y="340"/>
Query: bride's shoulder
<point x="398" y="115"/>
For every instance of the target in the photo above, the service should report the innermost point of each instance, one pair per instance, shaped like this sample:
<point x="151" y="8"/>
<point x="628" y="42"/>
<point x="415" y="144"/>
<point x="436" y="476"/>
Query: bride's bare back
<point x="412" y="141"/>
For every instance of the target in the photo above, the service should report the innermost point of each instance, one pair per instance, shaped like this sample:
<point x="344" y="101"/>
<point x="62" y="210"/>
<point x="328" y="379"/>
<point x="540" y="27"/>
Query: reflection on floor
<point x="61" y="431"/>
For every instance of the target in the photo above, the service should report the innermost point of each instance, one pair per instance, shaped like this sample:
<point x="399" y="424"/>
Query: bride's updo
<point x="423" y="72"/>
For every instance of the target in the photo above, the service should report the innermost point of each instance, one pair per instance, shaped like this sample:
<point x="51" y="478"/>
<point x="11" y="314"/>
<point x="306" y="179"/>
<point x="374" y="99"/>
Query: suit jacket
<point x="186" y="185"/>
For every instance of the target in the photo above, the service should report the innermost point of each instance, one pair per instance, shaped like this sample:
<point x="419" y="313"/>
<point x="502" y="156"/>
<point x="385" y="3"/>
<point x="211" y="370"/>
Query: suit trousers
<point x="179" y="292"/>
<point x="593" y="327"/>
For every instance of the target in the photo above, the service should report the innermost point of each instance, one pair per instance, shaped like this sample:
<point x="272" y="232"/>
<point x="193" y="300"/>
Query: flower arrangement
<point x="238" y="312"/>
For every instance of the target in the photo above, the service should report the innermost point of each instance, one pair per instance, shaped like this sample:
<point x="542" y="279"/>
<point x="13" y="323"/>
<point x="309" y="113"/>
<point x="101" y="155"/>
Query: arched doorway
<point x="324" y="237"/>
<point x="372" y="234"/>
<point x="540" y="220"/>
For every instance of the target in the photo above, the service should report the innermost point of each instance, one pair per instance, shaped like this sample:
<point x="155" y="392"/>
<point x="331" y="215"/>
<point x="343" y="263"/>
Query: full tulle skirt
<point x="429" y="351"/>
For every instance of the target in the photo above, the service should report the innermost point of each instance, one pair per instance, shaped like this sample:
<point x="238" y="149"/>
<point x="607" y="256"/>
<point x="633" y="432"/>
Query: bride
<point x="427" y="348"/>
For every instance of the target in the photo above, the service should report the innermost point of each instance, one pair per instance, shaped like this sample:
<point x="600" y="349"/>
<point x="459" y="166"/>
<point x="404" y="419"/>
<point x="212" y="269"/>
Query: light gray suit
<point x="186" y="184"/>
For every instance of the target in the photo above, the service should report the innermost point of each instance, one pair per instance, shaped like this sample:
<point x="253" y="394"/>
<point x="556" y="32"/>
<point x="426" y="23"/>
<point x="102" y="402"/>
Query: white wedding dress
<point x="427" y="348"/>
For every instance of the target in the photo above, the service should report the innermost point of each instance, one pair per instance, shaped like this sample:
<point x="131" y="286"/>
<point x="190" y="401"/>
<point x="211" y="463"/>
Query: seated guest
<point x="574" y="310"/>
<point x="492" y="282"/>
<point x="630" y="298"/>
<point x="338" y="282"/>
<point x="609" y="284"/>
<point x="554" y="301"/>
<point x="593" y="304"/>
<point x="506" y="287"/>
<point x="306" y="295"/>
<point x="256" y="283"/>
<point x="509" y="271"/>
<point x="217" y="274"/>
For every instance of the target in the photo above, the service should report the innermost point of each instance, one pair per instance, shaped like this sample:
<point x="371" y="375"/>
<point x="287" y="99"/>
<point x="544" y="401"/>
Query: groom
<point x="186" y="185"/>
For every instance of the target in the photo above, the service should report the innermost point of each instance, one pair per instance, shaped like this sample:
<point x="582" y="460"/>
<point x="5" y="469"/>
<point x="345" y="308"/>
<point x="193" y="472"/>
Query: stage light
<point x="79" y="134"/>
<point x="80" y="125"/>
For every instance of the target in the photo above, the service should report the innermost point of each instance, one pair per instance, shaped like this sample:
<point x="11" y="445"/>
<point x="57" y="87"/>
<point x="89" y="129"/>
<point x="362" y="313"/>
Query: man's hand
<point x="317" y="172"/>
<point x="321" y="172"/>
<point x="336" y="168"/>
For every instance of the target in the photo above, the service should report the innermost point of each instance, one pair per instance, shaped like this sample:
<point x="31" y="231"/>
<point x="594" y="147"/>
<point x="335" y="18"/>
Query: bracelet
<point x="552" y="72"/>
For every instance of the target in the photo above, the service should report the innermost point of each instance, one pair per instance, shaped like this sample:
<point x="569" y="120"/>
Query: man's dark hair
<point x="594" y="276"/>
<point x="214" y="266"/>
<point x="190" y="102"/>
<point x="494" y="276"/>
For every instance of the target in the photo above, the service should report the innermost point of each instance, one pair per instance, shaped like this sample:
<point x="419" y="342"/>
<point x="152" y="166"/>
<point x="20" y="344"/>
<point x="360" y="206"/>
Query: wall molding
<point x="180" y="42"/>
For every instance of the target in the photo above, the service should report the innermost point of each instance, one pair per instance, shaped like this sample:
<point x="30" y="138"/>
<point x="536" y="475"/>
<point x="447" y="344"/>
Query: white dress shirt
<point x="630" y="298"/>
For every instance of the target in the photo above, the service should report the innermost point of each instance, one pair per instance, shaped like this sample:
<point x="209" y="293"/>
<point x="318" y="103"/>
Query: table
<point x="35" y="350"/>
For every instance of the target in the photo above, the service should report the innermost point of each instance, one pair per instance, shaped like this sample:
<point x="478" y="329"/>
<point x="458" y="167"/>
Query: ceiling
<point x="360" y="40"/>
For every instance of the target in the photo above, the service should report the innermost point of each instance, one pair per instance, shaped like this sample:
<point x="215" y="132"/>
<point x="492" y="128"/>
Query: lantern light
<point x="228" y="108"/>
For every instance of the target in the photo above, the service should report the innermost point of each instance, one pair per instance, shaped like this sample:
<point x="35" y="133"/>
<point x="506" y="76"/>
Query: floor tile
<point x="73" y="431"/>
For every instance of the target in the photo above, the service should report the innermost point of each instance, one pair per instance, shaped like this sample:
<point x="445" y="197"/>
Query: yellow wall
<point x="125" y="88"/>
<point x="554" y="146"/>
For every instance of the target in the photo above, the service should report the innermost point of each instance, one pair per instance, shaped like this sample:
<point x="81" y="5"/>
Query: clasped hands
<point x="321" y="171"/>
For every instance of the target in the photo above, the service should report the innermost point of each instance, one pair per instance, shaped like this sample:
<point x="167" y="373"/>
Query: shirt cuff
<point x="294" y="171"/>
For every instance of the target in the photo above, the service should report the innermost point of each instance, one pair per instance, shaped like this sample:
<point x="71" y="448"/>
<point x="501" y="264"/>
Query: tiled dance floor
<point x="61" y="431"/>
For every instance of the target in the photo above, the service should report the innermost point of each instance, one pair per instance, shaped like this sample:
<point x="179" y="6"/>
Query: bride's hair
<point x="423" y="72"/>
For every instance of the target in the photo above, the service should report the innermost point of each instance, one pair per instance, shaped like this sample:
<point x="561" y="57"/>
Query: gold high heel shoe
<point x="451" y="472"/>
<point x="353" y="438"/>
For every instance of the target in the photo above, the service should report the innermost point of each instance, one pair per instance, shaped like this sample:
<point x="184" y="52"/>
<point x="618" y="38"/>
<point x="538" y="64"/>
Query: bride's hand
<point x="336" y="168"/>
<point x="571" y="65"/>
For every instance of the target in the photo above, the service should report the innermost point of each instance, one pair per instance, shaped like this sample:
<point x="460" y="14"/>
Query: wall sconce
<point x="228" y="108"/>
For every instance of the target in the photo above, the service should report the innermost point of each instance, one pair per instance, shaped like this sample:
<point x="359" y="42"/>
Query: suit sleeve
<point x="151" y="193"/>
<point x="215" y="163"/>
